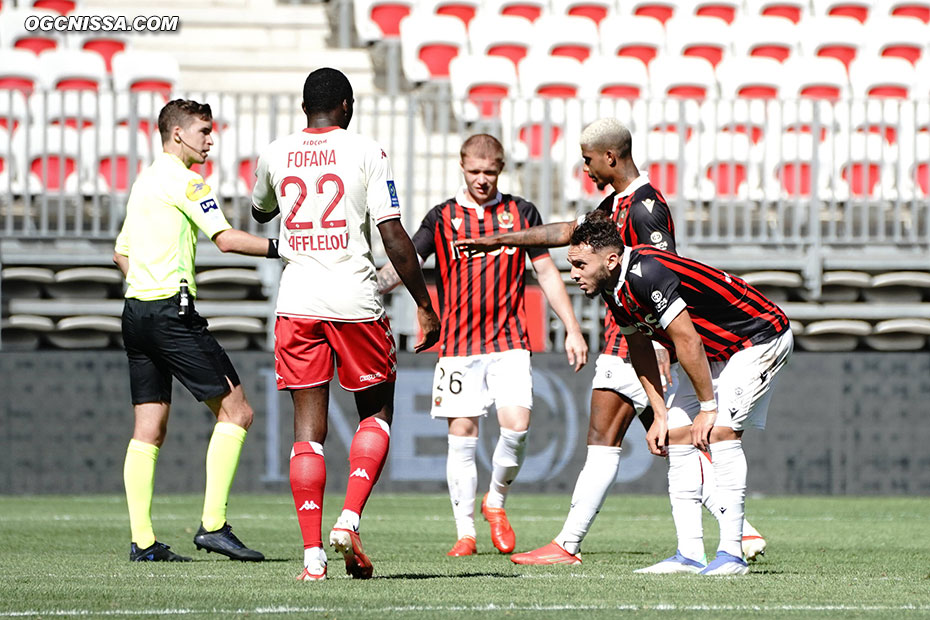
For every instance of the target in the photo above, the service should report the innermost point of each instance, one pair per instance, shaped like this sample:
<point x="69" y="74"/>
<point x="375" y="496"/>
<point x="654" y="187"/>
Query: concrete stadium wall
<point x="851" y="423"/>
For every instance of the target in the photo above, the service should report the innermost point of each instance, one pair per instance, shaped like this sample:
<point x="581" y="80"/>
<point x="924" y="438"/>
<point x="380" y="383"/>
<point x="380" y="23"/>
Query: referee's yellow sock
<point x="139" y="479"/>
<point x="222" y="461"/>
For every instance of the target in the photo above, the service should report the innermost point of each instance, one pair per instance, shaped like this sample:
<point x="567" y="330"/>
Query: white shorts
<point x="467" y="386"/>
<point x="742" y="385"/>
<point x="613" y="373"/>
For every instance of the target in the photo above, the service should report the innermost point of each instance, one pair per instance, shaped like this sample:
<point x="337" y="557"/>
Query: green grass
<point x="828" y="557"/>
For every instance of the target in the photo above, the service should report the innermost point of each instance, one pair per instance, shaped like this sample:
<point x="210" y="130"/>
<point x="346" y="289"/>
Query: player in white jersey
<point x="330" y="187"/>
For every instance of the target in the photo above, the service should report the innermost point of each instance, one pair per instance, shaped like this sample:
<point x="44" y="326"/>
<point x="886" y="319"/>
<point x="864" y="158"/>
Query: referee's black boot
<point x="158" y="552"/>
<point x="224" y="542"/>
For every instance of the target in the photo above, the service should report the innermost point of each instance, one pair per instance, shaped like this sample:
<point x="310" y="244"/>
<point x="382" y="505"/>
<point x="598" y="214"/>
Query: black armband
<point x="272" y="249"/>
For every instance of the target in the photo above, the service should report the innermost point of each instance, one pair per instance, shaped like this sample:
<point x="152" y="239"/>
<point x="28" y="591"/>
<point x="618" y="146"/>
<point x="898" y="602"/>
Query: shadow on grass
<point x="415" y="576"/>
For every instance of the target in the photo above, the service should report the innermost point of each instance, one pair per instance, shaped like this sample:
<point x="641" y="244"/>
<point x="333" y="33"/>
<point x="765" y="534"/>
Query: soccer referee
<point x="164" y="336"/>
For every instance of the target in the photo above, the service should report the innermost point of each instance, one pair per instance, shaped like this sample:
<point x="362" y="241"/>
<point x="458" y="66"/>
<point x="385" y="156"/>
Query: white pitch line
<point x="457" y="608"/>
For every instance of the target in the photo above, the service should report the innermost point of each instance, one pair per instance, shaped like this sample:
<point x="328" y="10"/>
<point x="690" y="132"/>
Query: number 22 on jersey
<point x="325" y="221"/>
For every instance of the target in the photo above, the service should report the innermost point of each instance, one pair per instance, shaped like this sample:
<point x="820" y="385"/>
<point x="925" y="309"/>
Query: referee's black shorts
<point x="160" y="344"/>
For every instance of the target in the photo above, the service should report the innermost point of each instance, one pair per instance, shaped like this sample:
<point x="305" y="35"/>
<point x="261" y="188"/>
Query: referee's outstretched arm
<point x="241" y="242"/>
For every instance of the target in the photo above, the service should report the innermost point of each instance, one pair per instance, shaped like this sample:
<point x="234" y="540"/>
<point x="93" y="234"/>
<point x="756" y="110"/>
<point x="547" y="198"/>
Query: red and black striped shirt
<point x="480" y="296"/>
<point x="644" y="218"/>
<point x="656" y="286"/>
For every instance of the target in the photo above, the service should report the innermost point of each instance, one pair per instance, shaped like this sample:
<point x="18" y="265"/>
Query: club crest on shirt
<point x="505" y="219"/>
<point x="197" y="189"/>
<point x="649" y="203"/>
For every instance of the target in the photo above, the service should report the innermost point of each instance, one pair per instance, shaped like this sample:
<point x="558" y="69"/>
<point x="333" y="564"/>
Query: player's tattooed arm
<point x="388" y="279"/>
<point x="546" y="236"/>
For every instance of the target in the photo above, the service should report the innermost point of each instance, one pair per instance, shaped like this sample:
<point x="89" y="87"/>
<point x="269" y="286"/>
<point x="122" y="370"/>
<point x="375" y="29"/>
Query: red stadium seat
<point x="661" y="10"/>
<point x="530" y="10"/>
<point x="145" y="72"/>
<point x="793" y="10"/>
<point x="112" y="149"/>
<point x="701" y="37"/>
<point x="855" y="9"/>
<point x="815" y="78"/>
<point x="550" y="76"/>
<point x="833" y="37"/>
<point x="376" y="20"/>
<point x="19" y="70"/>
<point x="53" y="158"/>
<point x="882" y="77"/>
<point x="428" y="44"/>
<point x="898" y="37"/>
<point x="595" y="10"/>
<point x="726" y="10"/>
<point x="684" y="77"/>
<point x="614" y="77"/>
<point x="465" y="10"/>
<point x="501" y="35"/>
<point x="13" y="33"/>
<point x="750" y="77"/>
<point x="63" y="7"/>
<point x="479" y="83"/>
<point x="572" y="37"/>
<point x="104" y="44"/>
<point x="766" y="37"/>
<point x="68" y="69"/>
<point x="642" y="38"/>
<point x="917" y="9"/>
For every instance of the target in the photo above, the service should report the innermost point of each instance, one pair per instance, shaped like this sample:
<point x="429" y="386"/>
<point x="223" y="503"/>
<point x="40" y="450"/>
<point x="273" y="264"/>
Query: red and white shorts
<point x="307" y="350"/>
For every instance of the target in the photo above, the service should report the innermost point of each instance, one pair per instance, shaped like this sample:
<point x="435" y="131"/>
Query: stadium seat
<point x="791" y="163"/>
<point x="145" y="72"/>
<point x="681" y="117"/>
<point x="639" y="37"/>
<point x="73" y="108"/>
<point x="24" y="332"/>
<point x="702" y="37"/>
<point x="899" y="335"/>
<point x="13" y="33"/>
<point x="464" y="10"/>
<point x="104" y="44"/>
<point x="506" y="36"/>
<point x="134" y="108"/>
<point x="882" y="77"/>
<point x="67" y="69"/>
<point x="527" y="9"/>
<point x="555" y="77"/>
<point x="478" y="85"/>
<point x="51" y="164"/>
<point x="86" y="283"/>
<point x="856" y="9"/>
<point x="110" y="151"/>
<point x="918" y="9"/>
<point x="815" y="78"/>
<point x="236" y="333"/>
<point x="235" y="156"/>
<point x="903" y="37"/>
<point x="665" y="159"/>
<point x="745" y="116"/>
<point x="661" y="10"/>
<point x="898" y="287"/>
<point x="685" y="77"/>
<point x="62" y="7"/>
<point x="794" y="10"/>
<point x="86" y="332"/>
<point x="865" y="163"/>
<point x="428" y="44"/>
<point x="376" y="20"/>
<point x="25" y="282"/>
<point x="919" y="172"/>
<point x="771" y="37"/>
<point x="833" y="335"/>
<point x="840" y="286"/>
<point x="727" y="169"/>
<point x="595" y="10"/>
<point x="565" y="35"/>
<point x="776" y="285"/>
<point x="726" y="10"/>
<point x="614" y="76"/>
<point x="534" y="127"/>
<point x="833" y="37"/>
<point x="13" y="109"/>
<point x="750" y="77"/>
<point x="228" y="283"/>
<point x="882" y="116"/>
<point x="19" y="70"/>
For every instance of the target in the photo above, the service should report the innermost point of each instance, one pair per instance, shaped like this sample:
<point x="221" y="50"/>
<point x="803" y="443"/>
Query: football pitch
<point x="850" y="557"/>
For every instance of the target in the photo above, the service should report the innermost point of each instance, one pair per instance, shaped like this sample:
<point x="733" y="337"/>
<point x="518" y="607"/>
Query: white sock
<point x="507" y="460"/>
<point x="730" y="471"/>
<point x="710" y="496"/>
<point x="348" y="520"/>
<point x="313" y="555"/>
<point x="684" y="492"/>
<point x="462" y="477"/>
<point x="594" y="481"/>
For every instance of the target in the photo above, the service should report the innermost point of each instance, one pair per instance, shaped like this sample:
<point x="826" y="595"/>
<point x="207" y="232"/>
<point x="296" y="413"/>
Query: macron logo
<point x="309" y="505"/>
<point x="360" y="473"/>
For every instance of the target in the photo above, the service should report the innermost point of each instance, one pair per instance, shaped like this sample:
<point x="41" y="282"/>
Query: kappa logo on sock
<point x="360" y="473"/>
<point x="309" y="505"/>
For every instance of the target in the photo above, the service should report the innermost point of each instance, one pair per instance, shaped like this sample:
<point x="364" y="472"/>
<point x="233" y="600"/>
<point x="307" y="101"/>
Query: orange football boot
<point x="553" y="553"/>
<point x="465" y="545"/>
<point x="501" y="533"/>
<point x="349" y="545"/>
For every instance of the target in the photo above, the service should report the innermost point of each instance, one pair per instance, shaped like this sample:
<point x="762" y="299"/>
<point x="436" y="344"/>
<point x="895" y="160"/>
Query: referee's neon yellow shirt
<point x="168" y="205"/>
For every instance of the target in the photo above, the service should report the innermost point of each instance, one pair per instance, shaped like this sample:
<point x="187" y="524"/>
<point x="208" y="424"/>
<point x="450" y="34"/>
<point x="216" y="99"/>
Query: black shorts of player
<point x="160" y="344"/>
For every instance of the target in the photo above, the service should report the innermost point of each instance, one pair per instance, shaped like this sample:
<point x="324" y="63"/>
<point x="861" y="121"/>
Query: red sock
<point x="308" y="479"/>
<point x="367" y="455"/>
